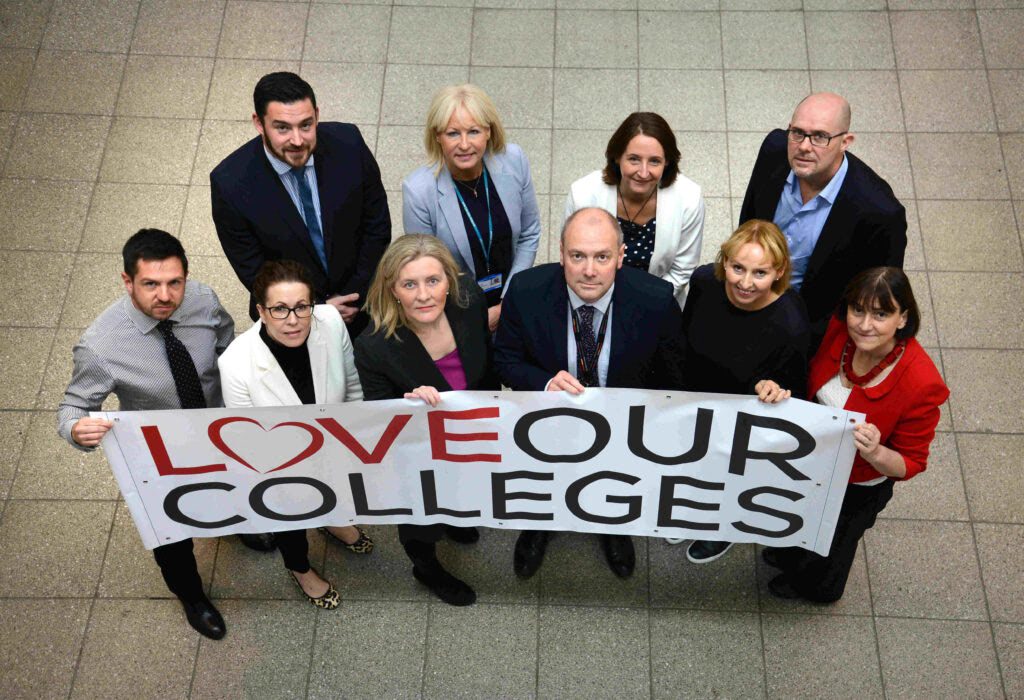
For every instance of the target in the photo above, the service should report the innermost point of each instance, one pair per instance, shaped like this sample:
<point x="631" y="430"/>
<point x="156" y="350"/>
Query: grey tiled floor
<point x="113" y="112"/>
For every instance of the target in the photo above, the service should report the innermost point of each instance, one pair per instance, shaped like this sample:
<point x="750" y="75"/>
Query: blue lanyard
<point x="490" y="224"/>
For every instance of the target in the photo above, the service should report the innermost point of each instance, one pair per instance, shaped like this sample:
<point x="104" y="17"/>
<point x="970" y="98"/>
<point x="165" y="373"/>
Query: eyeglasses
<point x="817" y="138"/>
<point x="281" y="312"/>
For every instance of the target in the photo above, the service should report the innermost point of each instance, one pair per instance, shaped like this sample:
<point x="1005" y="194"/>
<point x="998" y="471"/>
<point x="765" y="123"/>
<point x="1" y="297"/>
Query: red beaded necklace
<point x="862" y="380"/>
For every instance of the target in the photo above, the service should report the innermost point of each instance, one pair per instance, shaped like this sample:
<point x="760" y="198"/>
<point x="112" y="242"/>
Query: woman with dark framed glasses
<point x="297" y="353"/>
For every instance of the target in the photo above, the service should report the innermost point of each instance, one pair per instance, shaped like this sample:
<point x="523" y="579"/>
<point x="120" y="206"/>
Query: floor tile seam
<point x="25" y="90"/>
<point x="81" y="234"/>
<point x="383" y="80"/>
<point x="988" y="609"/>
<point x="312" y="652"/>
<point x="426" y="648"/>
<point x="727" y="132"/>
<point x="1002" y="150"/>
<point x="95" y="593"/>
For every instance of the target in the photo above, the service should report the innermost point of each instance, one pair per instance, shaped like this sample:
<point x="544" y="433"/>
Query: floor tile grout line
<point x="181" y="226"/>
<point x="974" y="534"/>
<point x="92" y="605"/>
<point x="74" y="253"/>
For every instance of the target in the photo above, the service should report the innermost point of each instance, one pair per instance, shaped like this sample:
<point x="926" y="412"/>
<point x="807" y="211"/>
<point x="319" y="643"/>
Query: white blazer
<point x="679" y="231"/>
<point x="251" y="376"/>
<point x="429" y="205"/>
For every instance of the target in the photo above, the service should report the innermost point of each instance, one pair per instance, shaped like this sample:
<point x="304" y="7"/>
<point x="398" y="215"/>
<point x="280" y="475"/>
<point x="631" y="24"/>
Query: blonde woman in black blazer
<point x="429" y="334"/>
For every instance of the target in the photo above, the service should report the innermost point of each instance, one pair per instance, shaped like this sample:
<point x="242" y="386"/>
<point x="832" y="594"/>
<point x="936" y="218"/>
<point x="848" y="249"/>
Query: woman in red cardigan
<point x="868" y="362"/>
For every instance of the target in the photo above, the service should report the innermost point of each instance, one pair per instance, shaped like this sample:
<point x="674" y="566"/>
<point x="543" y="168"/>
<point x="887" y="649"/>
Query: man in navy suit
<point x="838" y="215"/>
<point x="303" y="190"/>
<point x="588" y="321"/>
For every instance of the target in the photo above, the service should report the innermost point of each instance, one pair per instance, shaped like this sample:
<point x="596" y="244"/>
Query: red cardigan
<point x="906" y="417"/>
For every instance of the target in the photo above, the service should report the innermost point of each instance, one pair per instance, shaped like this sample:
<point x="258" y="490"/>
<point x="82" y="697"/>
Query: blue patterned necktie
<point x="183" y="369"/>
<point x="309" y="214"/>
<point x="589" y="345"/>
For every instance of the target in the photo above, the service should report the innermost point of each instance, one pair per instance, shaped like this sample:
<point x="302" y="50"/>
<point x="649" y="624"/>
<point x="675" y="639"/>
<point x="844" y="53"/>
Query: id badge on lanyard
<point x="490" y="281"/>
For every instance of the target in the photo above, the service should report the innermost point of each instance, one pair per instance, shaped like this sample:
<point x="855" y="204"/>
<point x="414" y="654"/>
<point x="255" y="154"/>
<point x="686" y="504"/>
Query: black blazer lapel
<point x="416" y="362"/>
<point x="557" y="324"/>
<point x="767" y="198"/>
<point x="274" y="201"/>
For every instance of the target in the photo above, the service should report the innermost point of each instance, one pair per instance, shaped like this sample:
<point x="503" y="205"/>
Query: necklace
<point x="471" y="188"/>
<point x="862" y="380"/>
<point x="632" y="219"/>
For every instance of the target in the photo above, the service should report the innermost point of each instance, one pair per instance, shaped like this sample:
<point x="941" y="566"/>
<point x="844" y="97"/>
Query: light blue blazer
<point x="429" y="205"/>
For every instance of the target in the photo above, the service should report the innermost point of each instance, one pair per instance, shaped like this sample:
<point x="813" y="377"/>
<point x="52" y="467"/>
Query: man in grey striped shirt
<point x="156" y="348"/>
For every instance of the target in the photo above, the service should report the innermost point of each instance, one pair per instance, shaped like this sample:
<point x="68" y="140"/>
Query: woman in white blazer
<point x="660" y="211"/>
<point x="476" y="194"/>
<point x="295" y="354"/>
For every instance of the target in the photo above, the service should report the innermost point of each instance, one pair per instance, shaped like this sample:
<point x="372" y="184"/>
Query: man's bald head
<point x="826" y="105"/>
<point x="821" y="114"/>
<point x="592" y="218"/>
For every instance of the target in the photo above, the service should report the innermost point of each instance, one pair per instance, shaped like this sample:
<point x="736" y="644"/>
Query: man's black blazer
<point x="257" y="221"/>
<point x="867" y="227"/>
<point x="531" y="345"/>
<point x="390" y="367"/>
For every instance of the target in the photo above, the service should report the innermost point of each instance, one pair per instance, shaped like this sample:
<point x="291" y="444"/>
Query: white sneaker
<point x="675" y="540"/>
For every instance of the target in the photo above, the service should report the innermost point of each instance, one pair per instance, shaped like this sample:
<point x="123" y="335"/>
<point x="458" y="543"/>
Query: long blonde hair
<point x="385" y="311"/>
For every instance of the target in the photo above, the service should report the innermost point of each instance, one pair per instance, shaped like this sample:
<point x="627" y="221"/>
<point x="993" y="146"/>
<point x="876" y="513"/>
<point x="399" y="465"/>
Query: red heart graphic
<point x="316" y="441"/>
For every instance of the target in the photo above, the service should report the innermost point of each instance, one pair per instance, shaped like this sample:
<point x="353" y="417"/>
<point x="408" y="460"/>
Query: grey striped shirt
<point x="123" y="353"/>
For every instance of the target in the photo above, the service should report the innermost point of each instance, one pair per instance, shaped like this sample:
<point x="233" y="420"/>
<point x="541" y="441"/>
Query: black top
<point x="390" y="367"/>
<point x="639" y="242"/>
<point x="295" y="364"/>
<point x="729" y="350"/>
<point x="501" y="248"/>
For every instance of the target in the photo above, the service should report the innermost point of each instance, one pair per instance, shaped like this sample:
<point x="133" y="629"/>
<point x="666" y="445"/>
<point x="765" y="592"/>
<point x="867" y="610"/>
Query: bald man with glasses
<point x="839" y="216"/>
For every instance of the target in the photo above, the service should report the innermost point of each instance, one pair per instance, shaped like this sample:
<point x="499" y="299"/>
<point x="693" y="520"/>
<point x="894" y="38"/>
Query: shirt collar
<point x="279" y="166"/>
<point x="601" y="304"/>
<point x="830" y="191"/>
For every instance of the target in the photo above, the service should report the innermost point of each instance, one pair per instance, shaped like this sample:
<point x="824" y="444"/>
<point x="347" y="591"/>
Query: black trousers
<point x="823" y="579"/>
<point x="177" y="563"/>
<point x="294" y="549"/>
<point x="178" y="566"/>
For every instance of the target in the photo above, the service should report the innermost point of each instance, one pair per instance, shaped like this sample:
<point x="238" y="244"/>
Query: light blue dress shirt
<point x="802" y="223"/>
<point x="601" y="307"/>
<point x="283" y="171"/>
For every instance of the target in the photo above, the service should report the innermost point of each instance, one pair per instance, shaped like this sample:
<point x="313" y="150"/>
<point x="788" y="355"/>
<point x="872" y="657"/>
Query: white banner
<point x="621" y="461"/>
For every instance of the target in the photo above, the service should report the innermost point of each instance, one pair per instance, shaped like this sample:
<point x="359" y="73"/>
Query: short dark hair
<point x="648" y="124"/>
<point x="151" y="244"/>
<point x="276" y="272"/>
<point x="281" y="87"/>
<point x="885" y="288"/>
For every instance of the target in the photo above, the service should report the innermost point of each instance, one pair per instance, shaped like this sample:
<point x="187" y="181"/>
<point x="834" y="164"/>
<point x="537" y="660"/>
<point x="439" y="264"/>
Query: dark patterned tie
<point x="183" y="369"/>
<point x="589" y="344"/>
<point x="309" y="214"/>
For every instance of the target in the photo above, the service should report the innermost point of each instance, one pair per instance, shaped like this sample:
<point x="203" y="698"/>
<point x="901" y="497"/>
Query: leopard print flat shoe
<point x="328" y="601"/>
<point x="363" y="545"/>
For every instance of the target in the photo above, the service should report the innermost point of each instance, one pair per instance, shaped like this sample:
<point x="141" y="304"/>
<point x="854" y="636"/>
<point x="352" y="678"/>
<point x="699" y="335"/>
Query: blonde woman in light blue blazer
<point x="476" y="194"/>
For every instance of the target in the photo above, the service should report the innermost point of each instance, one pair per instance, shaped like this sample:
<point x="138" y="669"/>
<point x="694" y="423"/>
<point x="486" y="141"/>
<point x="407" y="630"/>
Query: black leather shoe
<point x="781" y="587"/>
<point x="204" y="618"/>
<point x="618" y="550"/>
<point x="451" y="590"/>
<point x="261" y="543"/>
<point x="462" y="535"/>
<point x="529" y="552"/>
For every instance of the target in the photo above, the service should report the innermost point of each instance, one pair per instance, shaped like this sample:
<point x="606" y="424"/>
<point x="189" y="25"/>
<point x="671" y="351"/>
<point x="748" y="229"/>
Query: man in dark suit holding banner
<point x="587" y="322"/>
<point x="303" y="190"/>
